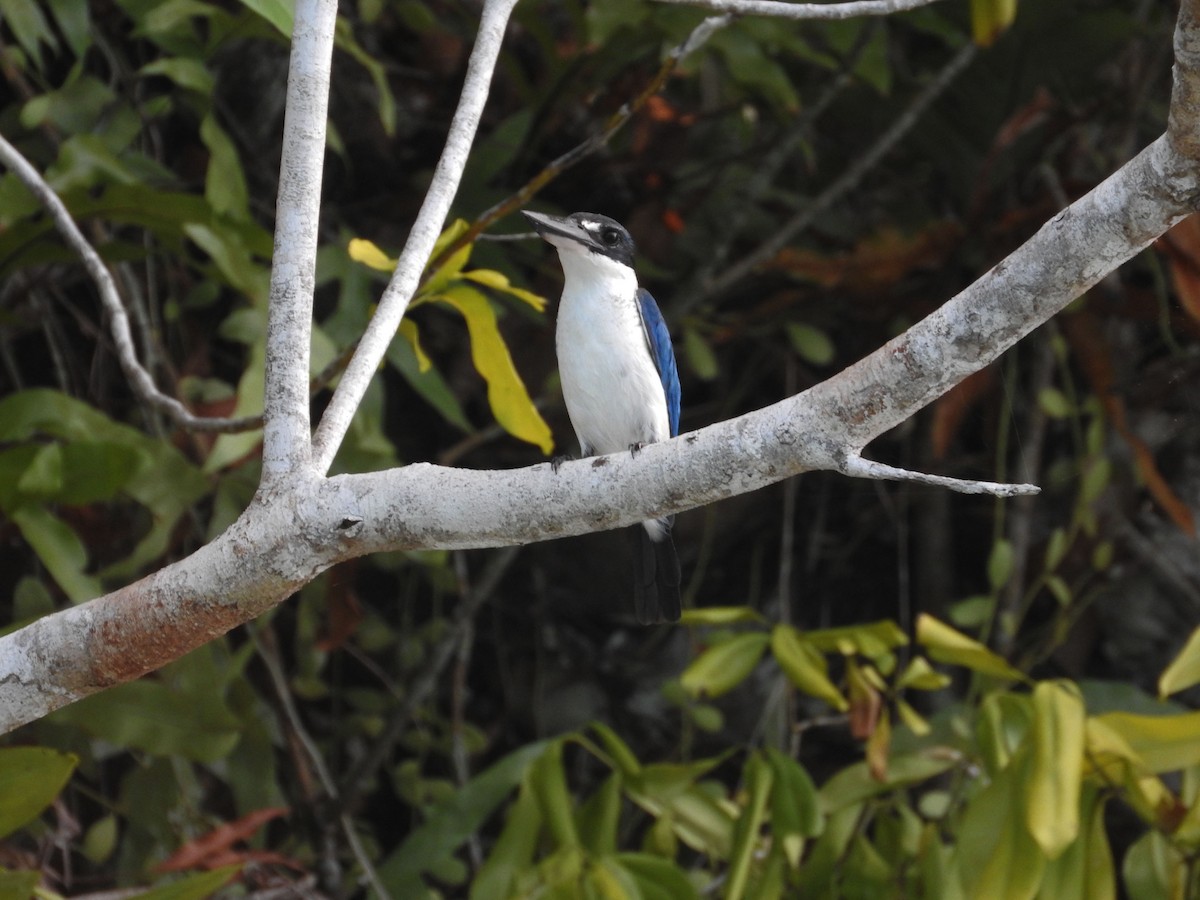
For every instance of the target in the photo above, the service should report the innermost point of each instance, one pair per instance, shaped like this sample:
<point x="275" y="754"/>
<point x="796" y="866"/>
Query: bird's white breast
<point x="612" y="389"/>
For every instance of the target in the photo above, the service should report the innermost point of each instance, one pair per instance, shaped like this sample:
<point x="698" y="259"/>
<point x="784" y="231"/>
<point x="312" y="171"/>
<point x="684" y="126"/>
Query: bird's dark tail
<point x="655" y="575"/>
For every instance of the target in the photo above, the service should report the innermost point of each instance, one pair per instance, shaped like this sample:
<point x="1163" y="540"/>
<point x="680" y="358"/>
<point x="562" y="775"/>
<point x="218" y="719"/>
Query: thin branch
<point x="286" y="428"/>
<point x="841" y="186"/>
<point x="396" y="296"/>
<point x="783" y="10"/>
<point x="857" y="467"/>
<point x="122" y="336"/>
<point x="694" y="41"/>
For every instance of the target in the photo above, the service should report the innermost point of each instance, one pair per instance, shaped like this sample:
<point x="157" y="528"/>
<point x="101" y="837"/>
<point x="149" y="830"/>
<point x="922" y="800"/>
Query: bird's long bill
<point x="554" y="229"/>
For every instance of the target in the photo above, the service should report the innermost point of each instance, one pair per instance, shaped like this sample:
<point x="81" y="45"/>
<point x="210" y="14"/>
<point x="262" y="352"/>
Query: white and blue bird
<point x="618" y="375"/>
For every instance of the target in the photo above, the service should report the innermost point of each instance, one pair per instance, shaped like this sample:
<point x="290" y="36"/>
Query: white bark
<point x="293" y="532"/>
<point x="286" y="430"/>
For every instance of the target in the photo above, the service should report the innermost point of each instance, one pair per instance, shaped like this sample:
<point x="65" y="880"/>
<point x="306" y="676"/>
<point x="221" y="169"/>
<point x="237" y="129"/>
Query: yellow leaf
<point x="364" y="251"/>
<point x="507" y="396"/>
<point x="1055" y="766"/>
<point x="1160" y="743"/>
<point x="499" y="282"/>
<point x="1184" y="670"/>
<point x="1111" y="758"/>
<point x="949" y="646"/>
<point x="408" y="331"/>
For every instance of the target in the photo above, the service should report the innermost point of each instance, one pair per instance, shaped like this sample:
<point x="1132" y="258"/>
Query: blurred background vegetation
<point x="883" y="690"/>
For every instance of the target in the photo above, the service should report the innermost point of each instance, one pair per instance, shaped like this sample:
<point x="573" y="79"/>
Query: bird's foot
<point x="557" y="461"/>
<point x="636" y="447"/>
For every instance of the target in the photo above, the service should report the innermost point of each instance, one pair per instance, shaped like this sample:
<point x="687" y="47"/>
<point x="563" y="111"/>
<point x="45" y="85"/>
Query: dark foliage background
<point x="408" y="674"/>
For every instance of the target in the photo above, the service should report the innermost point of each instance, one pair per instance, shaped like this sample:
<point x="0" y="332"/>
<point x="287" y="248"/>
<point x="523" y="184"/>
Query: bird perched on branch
<point x="618" y="374"/>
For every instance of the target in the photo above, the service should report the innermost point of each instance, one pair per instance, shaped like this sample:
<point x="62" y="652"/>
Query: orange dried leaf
<point x="211" y="850"/>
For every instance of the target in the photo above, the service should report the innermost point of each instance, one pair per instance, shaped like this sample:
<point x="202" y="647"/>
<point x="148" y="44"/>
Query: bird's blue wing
<point x="659" y="340"/>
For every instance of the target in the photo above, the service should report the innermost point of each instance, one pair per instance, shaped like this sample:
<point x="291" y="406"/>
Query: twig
<point x="840" y="187"/>
<point x="139" y="379"/>
<point x="698" y="37"/>
<point x="396" y="296"/>
<point x="857" y="467"/>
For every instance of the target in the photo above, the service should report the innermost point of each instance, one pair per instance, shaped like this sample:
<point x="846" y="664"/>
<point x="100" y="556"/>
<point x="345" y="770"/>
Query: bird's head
<point x="585" y="233"/>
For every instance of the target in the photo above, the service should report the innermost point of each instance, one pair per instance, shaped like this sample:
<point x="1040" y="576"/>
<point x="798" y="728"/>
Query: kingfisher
<point x="619" y="378"/>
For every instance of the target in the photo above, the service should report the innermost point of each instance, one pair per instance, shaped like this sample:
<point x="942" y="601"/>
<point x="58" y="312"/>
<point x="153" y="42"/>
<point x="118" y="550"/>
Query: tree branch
<point x="118" y="318"/>
<point x="284" y="539"/>
<point x="784" y="10"/>
<point x="286" y="428"/>
<point x="425" y="230"/>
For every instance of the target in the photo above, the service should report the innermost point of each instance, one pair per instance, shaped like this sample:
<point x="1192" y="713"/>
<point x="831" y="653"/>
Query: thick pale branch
<point x="428" y="224"/>
<point x="279" y="545"/>
<point x="784" y="10"/>
<point x="286" y="428"/>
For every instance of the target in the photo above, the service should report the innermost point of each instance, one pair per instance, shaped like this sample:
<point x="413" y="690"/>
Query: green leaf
<point x="996" y="857"/>
<point x="507" y="396"/>
<point x="874" y="640"/>
<point x="29" y="27"/>
<point x="599" y="816"/>
<point x="427" y="382"/>
<point x="278" y="12"/>
<point x="1000" y="564"/>
<point x="805" y="666"/>
<point x="30" y="779"/>
<point x="920" y="675"/>
<point x="191" y="74"/>
<point x="1085" y="871"/>
<point x="990" y="19"/>
<point x="549" y="783"/>
<point x="60" y="550"/>
<point x="855" y="783"/>
<point x="1052" y="785"/>
<point x="74" y="21"/>
<point x="758" y="778"/>
<point x="1184" y="670"/>
<point x="513" y="851"/>
<point x="1056" y="549"/>
<point x="811" y="344"/>
<point x="151" y="716"/>
<point x="657" y="878"/>
<point x="699" y="355"/>
<point x="193" y="887"/>
<point x="1154" y="870"/>
<point x="20" y="884"/>
<point x="946" y="645"/>
<point x="720" y="615"/>
<point x="224" y="182"/>
<point x="162" y="481"/>
<point x="1095" y="480"/>
<point x="1054" y="403"/>
<point x="451" y="822"/>
<point x="795" y="806"/>
<point x="620" y="756"/>
<point x="723" y="666"/>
